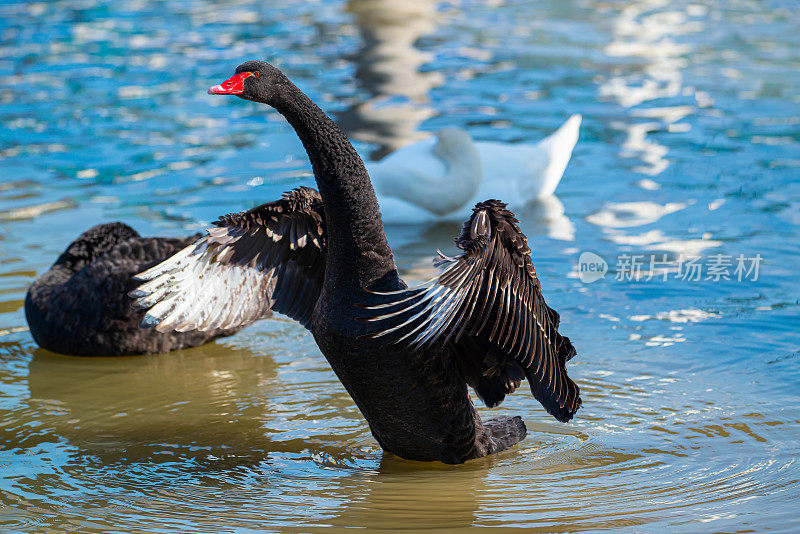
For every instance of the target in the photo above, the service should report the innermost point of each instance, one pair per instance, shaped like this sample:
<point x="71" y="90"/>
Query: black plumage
<point x="486" y="307"/>
<point x="280" y="248"/>
<point x="405" y="356"/>
<point x="80" y="305"/>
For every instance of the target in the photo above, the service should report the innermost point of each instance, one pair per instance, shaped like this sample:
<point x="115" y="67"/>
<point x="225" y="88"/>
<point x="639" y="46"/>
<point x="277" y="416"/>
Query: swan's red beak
<point x="232" y="86"/>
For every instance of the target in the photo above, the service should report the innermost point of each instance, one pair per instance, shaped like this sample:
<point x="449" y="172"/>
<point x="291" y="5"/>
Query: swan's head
<point x="253" y="80"/>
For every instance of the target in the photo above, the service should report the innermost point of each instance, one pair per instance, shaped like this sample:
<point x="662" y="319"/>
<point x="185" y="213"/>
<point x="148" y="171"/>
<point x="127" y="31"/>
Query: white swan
<point x="443" y="176"/>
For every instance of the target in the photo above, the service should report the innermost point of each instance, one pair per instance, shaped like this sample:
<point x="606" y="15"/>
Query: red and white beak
<point x="232" y="86"/>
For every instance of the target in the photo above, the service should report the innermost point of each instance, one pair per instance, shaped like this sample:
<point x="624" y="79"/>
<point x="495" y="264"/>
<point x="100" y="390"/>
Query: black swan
<point x="80" y="306"/>
<point x="405" y="355"/>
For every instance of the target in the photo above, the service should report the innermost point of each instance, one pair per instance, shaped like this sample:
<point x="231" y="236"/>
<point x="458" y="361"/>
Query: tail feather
<point x="555" y="151"/>
<point x="506" y="431"/>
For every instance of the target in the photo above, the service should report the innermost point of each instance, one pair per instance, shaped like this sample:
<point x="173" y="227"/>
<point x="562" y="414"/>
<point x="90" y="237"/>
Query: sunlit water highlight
<point x="689" y="144"/>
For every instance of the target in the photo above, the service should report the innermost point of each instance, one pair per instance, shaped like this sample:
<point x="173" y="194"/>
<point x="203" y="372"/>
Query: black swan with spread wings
<point x="405" y="355"/>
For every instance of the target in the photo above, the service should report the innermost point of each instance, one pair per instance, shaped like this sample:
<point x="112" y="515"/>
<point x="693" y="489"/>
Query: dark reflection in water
<point x="388" y="68"/>
<point x="190" y="405"/>
<point x="388" y="498"/>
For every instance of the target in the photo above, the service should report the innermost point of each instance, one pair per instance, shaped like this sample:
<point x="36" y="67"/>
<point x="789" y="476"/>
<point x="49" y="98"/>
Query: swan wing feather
<point x="270" y="258"/>
<point x="485" y="307"/>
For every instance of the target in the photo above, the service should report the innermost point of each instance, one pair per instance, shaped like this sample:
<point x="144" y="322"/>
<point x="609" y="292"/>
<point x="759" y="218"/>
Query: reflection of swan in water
<point x="443" y="176"/>
<point x="387" y="67"/>
<point x="412" y="243"/>
<point x="211" y="404"/>
<point x="135" y="408"/>
<point x="411" y="495"/>
<point x="549" y="215"/>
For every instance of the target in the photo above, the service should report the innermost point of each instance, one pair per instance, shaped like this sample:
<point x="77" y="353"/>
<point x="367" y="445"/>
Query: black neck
<point x="358" y="252"/>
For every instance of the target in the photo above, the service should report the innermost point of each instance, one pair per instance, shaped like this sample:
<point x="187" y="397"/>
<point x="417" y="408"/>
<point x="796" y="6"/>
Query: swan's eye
<point x="256" y="74"/>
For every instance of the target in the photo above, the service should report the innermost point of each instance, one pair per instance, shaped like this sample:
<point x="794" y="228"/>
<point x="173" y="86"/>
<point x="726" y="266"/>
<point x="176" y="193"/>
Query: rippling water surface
<point x="690" y="145"/>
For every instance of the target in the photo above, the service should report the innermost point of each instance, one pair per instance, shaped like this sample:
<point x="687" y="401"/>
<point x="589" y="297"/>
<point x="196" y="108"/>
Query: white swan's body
<point x="443" y="176"/>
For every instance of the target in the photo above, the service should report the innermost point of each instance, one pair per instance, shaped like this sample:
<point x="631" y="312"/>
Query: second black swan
<point x="80" y="305"/>
<point x="406" y="356"/>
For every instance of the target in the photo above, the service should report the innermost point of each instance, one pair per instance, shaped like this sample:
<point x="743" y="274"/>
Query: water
<point x="689" y="144"/>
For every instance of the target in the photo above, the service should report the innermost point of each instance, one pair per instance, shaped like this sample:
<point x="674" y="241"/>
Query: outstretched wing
<point x="486" y="308"/>
<point x="268" y="258"/>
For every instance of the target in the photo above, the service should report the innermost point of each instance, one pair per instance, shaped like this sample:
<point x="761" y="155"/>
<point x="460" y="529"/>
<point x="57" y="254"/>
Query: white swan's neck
<point x="439" y="174"/>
